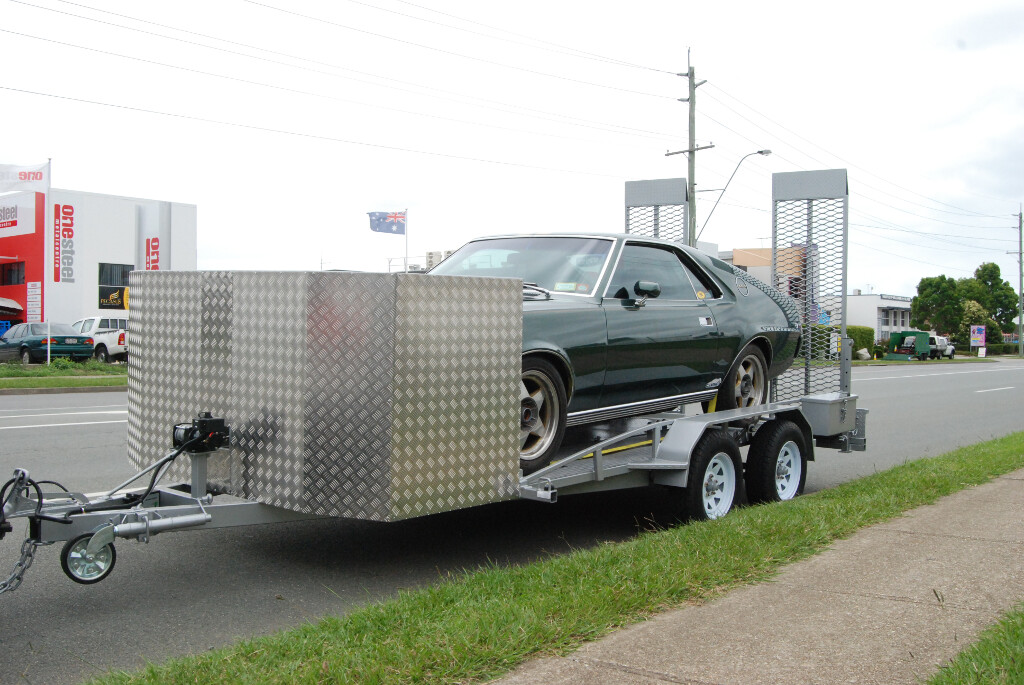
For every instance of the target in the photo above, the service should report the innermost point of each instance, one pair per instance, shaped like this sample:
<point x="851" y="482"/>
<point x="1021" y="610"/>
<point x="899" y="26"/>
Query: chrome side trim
<point x="635" y="408"/>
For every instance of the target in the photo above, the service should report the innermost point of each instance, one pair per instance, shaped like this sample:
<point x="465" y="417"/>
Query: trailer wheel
<point x="776" y="463"/>
<point x="85" y="568"/>
<point x="542" y="411"/>
<point x="713" y="477"/>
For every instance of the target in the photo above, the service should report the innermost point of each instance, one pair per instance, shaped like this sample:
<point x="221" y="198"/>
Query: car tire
<point x="713" y="479"/>
<point x="102" y="355"/>
<point x="542" y="413"/>
<point x="26" y="357"/>
<point x="776" y="468"/>
<point x="746" y="384"/>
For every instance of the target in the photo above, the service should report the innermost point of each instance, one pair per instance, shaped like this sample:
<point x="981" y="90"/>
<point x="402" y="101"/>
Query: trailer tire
<point x="85" y="569"/>
<point x="776" y="463"/>
<point x="713" y="479"/>
<point x="542" y="413"/>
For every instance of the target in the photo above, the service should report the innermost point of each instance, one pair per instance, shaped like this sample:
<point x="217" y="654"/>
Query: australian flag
<point x="387" y="222"/>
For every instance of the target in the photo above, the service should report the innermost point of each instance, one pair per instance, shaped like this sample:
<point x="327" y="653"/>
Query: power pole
<point x="1020" y="281"/>
<point x="691" y="163"/>
<point x="691" y="171"/>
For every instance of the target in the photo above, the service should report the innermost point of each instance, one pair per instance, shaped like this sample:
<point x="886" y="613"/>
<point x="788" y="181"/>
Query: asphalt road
<point x="188" y="592"/>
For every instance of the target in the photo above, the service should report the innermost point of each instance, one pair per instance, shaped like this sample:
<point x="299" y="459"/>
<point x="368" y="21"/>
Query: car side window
<point x="104" y="323"/>
<point x="17" y="331"/>
<point x="650" y="263"/>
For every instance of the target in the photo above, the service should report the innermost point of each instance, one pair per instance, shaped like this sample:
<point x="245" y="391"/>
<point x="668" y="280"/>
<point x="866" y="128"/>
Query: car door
<point x="662" y="347"/>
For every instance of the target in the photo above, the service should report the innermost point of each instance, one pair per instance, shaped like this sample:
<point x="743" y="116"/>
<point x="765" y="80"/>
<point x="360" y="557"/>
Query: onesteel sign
<point x="63" y="243"/>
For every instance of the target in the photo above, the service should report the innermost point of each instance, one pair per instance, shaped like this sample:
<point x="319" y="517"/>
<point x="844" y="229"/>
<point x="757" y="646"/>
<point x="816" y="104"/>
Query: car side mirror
<point x="645" y="289"/>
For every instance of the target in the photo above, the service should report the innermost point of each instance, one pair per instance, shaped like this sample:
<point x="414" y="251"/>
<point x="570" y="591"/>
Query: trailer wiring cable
<point x="165" y="463"/>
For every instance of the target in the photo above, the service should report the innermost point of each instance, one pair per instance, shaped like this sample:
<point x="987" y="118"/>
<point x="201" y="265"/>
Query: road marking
<point x="995" y="389"/>
<point x="57" y="425"/>
<point x="1004" y="369"/>
<point x="69" y="413"/>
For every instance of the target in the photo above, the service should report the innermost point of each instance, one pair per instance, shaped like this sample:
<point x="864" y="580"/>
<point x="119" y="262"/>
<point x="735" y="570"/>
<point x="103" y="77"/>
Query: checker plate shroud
<point x="362" y="395"/>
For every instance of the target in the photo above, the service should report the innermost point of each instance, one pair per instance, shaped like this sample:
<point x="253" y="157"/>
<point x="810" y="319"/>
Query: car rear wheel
<point x="26" y="357"/>
<point x="746" y="384"/>
<point x="101" y="354"/>
<point x="542" y="412"/>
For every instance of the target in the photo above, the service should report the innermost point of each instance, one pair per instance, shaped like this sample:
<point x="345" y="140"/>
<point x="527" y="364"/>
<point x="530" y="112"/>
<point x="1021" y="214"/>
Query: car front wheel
<point x="542" y="413"/>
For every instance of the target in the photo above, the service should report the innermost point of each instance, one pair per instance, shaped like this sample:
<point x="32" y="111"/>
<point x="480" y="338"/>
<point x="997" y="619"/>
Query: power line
<point x="553" y="47"/>
<point x="460" y="98"/>
<point x="297" y="90"/>
<point x="968" y="212"/>
<point x="297" y="134"/>
<point x="392" y="39"/>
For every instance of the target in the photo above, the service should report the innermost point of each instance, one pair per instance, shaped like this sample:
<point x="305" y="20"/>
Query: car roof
<point x="612" y="236"/>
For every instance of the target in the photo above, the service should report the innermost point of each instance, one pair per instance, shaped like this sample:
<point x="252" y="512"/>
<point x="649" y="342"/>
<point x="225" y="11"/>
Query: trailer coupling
<point x="90" y="524"/>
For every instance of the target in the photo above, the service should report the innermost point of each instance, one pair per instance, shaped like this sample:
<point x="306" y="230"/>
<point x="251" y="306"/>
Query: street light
<point x="759" y="152"/>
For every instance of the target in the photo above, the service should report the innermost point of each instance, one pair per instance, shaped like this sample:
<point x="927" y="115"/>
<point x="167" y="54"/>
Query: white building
<point x="887" y="314"/>
<point x="67" y="254"/>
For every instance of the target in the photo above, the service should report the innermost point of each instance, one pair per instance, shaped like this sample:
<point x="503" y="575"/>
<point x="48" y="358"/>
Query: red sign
<point x="152" y="254"/>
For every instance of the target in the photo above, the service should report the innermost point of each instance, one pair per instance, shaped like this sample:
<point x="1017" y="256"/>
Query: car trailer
<point x="699" y="455"/>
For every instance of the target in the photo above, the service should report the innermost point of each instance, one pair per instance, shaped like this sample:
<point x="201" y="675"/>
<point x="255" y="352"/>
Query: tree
<point x="995" y="295"/>
<point x="976" y="315"/>
<point x="937" y="306"/>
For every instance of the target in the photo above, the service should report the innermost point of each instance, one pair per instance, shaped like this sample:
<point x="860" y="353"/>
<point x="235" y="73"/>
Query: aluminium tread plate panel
<point x="362" y="395"/>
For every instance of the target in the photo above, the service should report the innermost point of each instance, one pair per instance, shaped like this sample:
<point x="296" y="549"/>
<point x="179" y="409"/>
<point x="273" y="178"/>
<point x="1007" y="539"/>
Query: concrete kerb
<point x="890" y="604"/>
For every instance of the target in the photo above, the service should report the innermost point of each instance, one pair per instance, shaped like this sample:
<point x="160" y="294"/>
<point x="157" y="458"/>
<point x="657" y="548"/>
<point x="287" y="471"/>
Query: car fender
<point x="556" y="356"/>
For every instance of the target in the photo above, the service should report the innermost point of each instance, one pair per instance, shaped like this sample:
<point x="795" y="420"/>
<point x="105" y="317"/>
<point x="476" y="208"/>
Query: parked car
<point x="109" y="336"/>
<point x="621" y="325"/>
<point x="29" y="342"/>
<point x="939" y="346"/>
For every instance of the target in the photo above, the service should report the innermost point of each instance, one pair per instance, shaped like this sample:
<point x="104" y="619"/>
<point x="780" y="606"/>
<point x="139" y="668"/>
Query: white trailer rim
<point x="719" y="488"/>
<point x="788" y="471"/>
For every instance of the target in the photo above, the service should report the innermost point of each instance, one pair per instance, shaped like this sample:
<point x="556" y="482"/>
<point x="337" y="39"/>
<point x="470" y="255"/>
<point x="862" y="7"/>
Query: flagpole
<point x="406" y="240"/>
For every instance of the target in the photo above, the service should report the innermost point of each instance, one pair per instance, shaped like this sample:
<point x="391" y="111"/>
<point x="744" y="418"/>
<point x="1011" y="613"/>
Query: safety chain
<point x="28" y="551"/>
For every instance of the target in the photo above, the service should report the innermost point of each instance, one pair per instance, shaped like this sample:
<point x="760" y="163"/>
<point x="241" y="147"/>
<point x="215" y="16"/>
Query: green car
<point x="28" y="342"/>
<point x="621" y="325"/>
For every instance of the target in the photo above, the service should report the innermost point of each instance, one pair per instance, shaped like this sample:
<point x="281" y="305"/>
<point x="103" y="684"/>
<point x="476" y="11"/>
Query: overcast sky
<point x="286" y="122"/>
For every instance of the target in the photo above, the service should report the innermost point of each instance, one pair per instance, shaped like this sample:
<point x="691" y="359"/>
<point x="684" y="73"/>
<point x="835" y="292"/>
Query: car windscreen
<point x="557" y="263"/>
<point x="54" y="329"/>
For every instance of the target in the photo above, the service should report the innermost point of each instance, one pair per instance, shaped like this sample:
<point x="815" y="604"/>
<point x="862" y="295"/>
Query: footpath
<point x="890" y="604"/>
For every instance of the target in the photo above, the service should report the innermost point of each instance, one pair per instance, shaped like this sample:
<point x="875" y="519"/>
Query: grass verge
<point x="997" y="656"/>
<point x="480" y="624"/>
<point x="62" y="373"/>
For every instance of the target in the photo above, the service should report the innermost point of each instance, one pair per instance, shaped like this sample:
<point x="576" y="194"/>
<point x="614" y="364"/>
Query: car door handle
<point x="705" y="321"/>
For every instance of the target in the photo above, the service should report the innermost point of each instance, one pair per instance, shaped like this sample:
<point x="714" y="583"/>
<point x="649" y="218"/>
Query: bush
<point x="1000" y="348"/>
<point x="863" y="337"/>
<point x="62" y="364"/>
